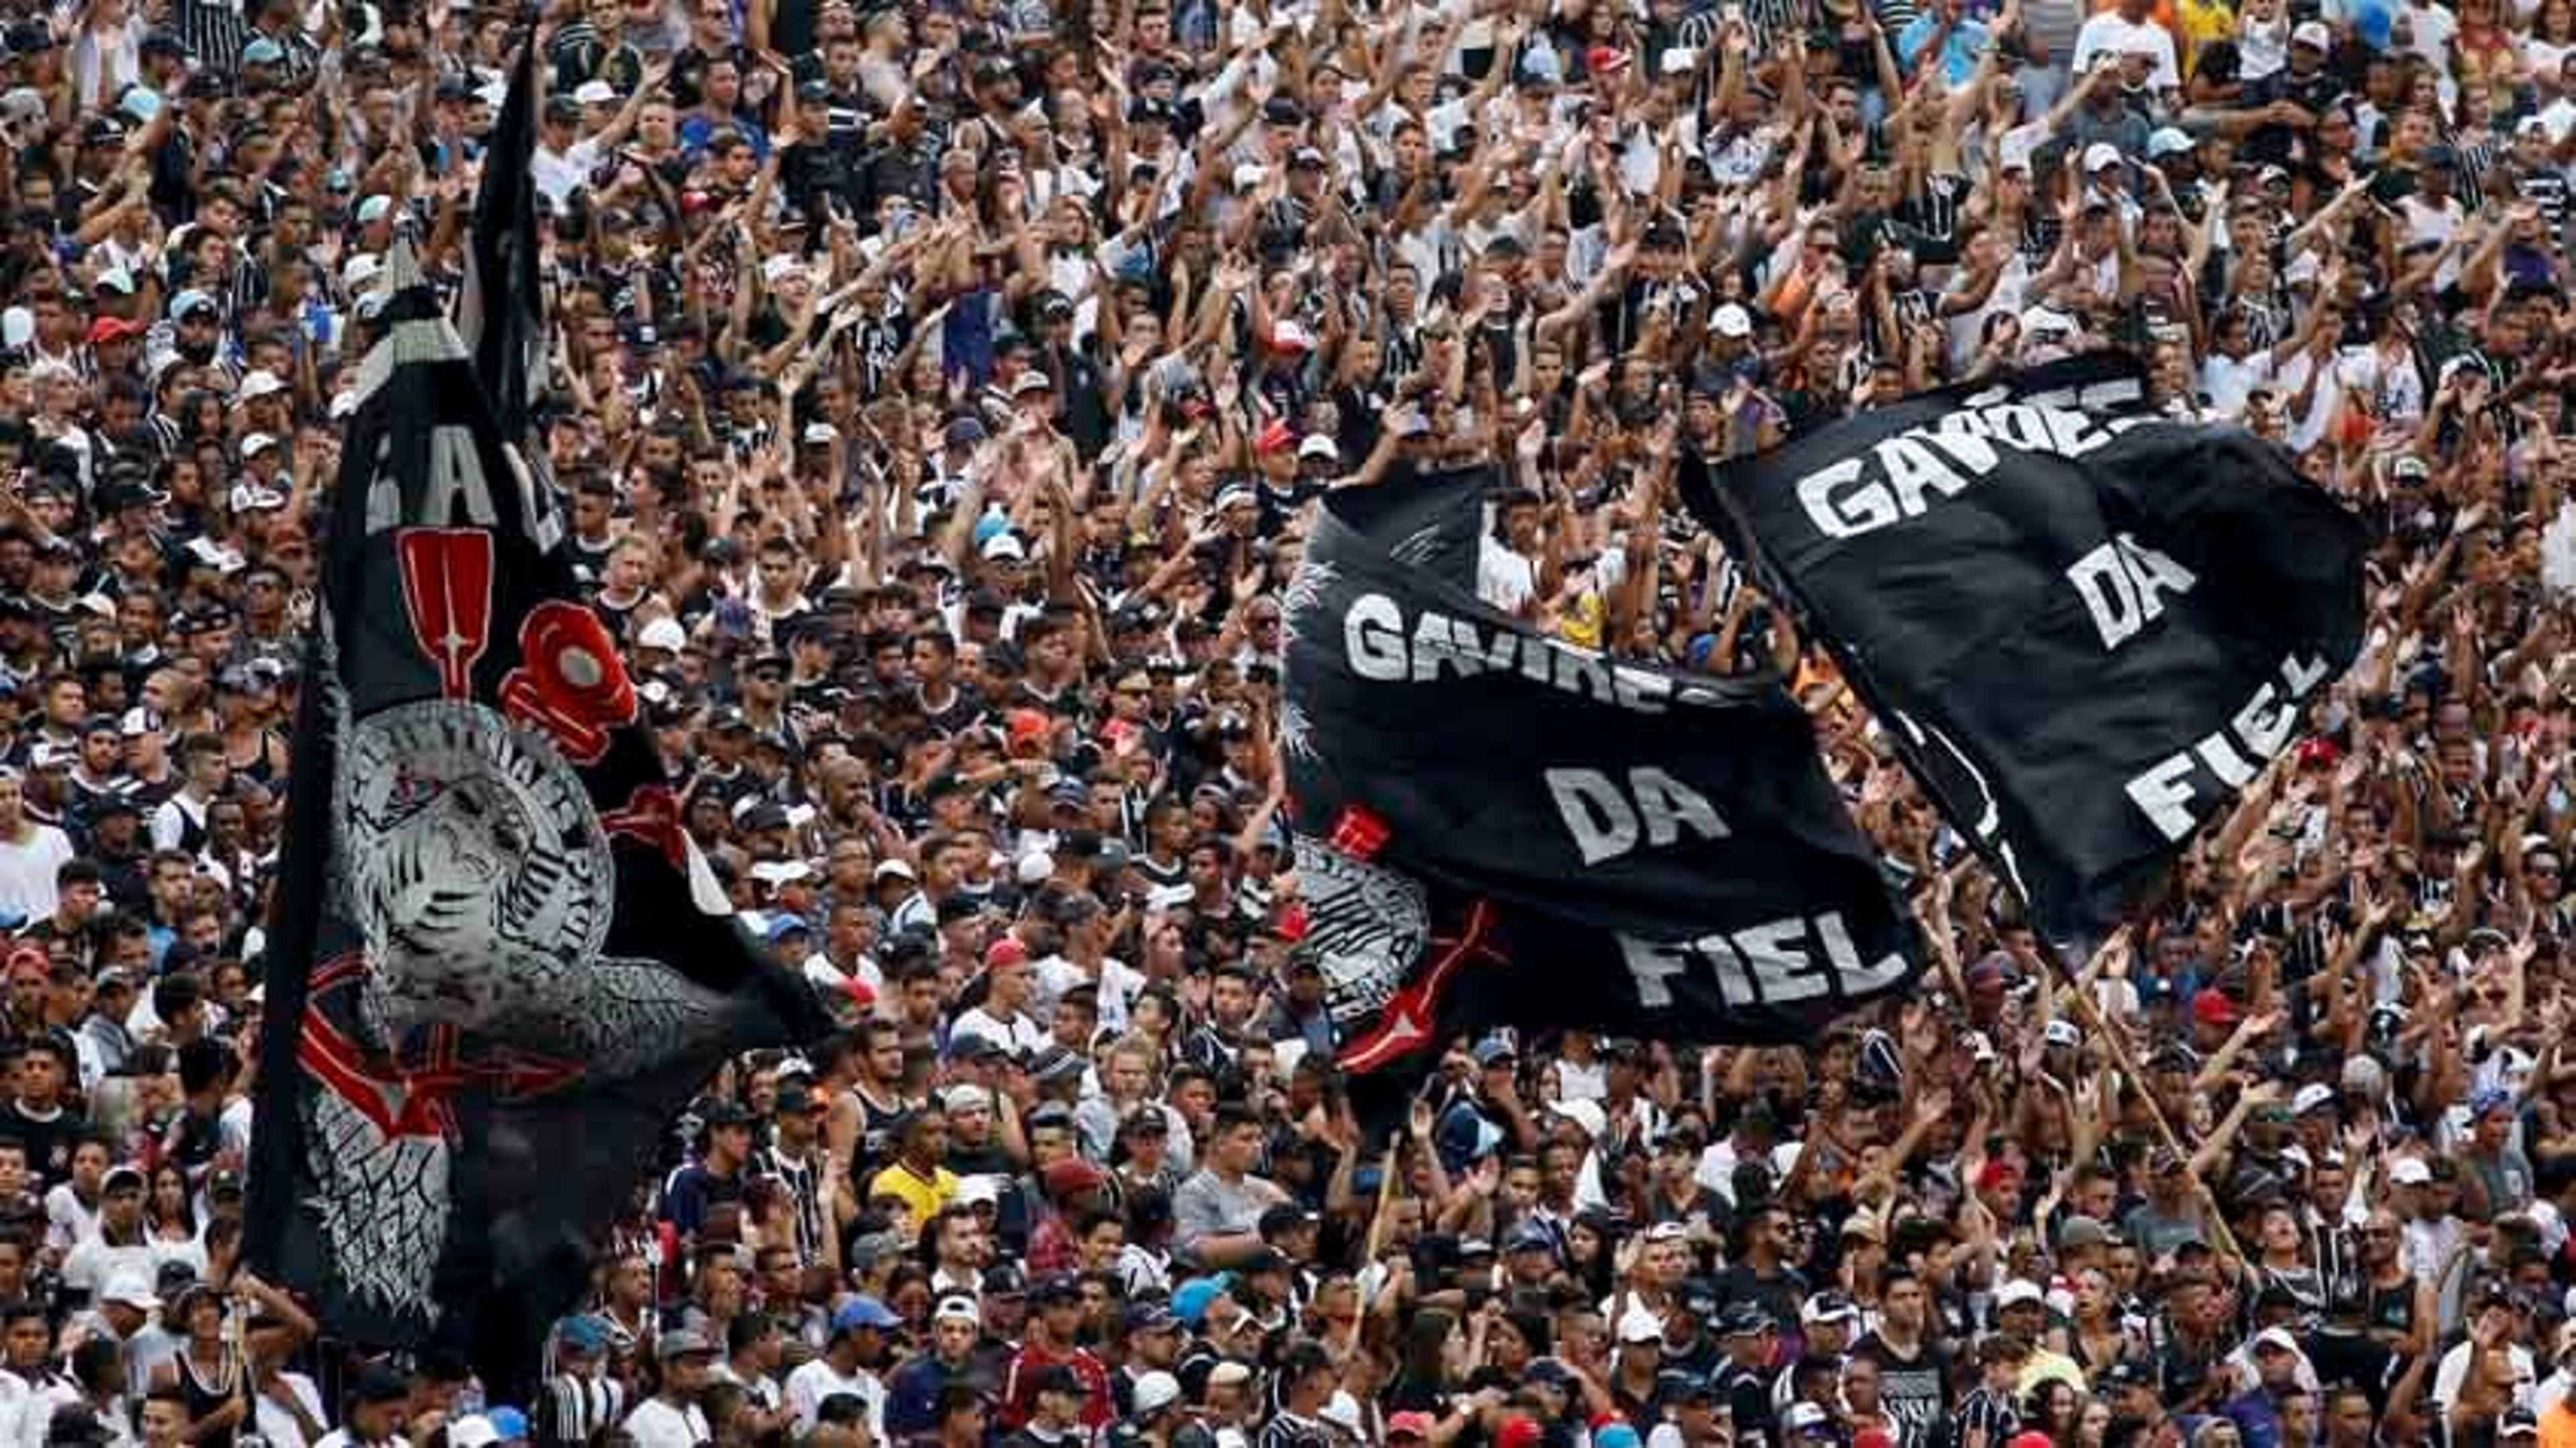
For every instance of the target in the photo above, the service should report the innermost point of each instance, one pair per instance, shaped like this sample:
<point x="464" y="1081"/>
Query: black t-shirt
<point x="49" y="1139"/>
<point x="1913" y="1391"/>
<point x="1748" y="1401"/>
<point x="1780" y="1296"/>
<point x="2314" y="93"/>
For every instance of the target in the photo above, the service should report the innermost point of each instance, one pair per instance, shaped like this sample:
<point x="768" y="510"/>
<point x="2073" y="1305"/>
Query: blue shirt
<point x="1959" y="52"/>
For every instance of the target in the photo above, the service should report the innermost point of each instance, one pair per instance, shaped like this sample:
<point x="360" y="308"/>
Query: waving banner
<point x="498" y="967"/>
<point x="1498" y="827"/>
<point x="2085" y="627"/>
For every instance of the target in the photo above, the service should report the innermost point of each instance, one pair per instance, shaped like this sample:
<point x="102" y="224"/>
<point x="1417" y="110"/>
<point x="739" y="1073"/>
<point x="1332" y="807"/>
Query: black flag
<point x="498" y="967"/>
<point x="499" y="308"/>
<point x="2084" y="627"/>
<point x="1498" y="827"/>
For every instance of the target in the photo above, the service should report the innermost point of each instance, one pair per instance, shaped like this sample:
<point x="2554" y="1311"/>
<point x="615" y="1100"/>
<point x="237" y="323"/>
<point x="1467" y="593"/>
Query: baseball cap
<point x="1154" y="1391"/>
<point x="2410" y="1172"/>
<point x="2099" y="155"/>
<point x="862" y="1312"/>
<point x="956" y="1308"/>
<point x="1805" y="1418"/>
<point x="1743" y="1319"/>
<point x="2312" y="33"/>
<point x="1731" y="320"/>
<point x="2018" y="1291"/>
<point x="1829" y="1306"/>
<point x="131" y="1288"/>
<point x="2213" y="1007"/>
<point x="2078" y="1232"/>
<point x="682" y="1342"/>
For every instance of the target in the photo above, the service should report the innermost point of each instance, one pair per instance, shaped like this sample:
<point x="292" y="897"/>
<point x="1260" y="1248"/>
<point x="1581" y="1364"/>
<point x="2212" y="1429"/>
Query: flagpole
<point x="2101" y="1028"/>
<point x="1385" y="1199"/>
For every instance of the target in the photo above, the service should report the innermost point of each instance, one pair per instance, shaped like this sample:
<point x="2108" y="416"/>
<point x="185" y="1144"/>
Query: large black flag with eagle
<point x="498" y="967"/>
<point x="1497" y="827"/>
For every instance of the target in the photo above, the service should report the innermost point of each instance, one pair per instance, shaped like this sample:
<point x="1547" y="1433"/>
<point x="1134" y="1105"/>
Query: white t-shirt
<point x="2454" y="1370"/>
<point x="656" y="1424"/>
<point x="2109" y="34"/>
<point x="1968" y="329"/>
<point x="92" y="1262"/>
<point x="172" y="820"/>
<point x="1504" y="578"/>
<point x="809" y="1385"/>
<point x="1117" y="985"/>
<point x="1020" y="1035"/>
<point x="276" y="1424"/>
<point x="2429" y="29"/>
<point x="69" y="1218"/>
<point x="557" y="173"/>
<point x="36" y="1409"/>
<point x="2230" y="380"/>
<point x="27" y="869"/>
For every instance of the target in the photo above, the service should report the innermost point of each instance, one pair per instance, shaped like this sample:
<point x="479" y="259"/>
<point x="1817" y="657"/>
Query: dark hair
<point x="956" y="1398"/>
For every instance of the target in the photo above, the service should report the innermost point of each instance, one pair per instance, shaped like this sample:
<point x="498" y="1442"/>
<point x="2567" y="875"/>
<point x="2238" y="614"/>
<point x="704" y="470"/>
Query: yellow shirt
<point x="925" y="1198"/>
<point x="2198" y="22"/>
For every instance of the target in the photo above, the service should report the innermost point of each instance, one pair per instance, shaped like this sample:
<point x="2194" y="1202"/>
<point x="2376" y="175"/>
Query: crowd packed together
<point x="941" y="393"/>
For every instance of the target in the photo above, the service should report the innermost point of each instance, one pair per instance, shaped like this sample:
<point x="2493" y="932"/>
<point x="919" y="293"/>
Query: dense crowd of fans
<point x="941" y="393"/>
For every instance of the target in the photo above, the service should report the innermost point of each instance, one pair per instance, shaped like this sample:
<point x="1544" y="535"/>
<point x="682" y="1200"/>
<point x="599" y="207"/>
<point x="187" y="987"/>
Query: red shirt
<point x="1019" y="1390"/>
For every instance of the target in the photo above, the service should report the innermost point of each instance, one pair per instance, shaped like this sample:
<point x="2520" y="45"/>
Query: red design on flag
<point x="651" y="816"/>
<point x="447" y="592"/>
<point x="570" y="681"/>
<point x="1359" y="833"/>
<point x="1411" y="1020"/>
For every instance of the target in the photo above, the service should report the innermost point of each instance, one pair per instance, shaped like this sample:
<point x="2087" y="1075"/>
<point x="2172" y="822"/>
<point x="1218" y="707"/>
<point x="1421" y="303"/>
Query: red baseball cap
<point x="1006" y="951"/>
<point x="1518" y="1432"/>
<point x="1277" y="437"/>
<point x="1408" y="1425"/>
<point x="2212" y="1007"/>
<point x="109" y="329"/>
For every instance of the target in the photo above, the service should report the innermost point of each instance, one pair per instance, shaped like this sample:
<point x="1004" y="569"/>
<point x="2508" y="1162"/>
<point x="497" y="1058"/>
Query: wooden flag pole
<point x="1385" y="1199"/>
<point x="2102" y="1029"/>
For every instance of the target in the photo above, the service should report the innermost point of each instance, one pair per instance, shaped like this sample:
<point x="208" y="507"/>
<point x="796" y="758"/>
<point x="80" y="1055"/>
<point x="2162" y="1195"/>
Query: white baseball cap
<point x="1152" y="1392"/>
